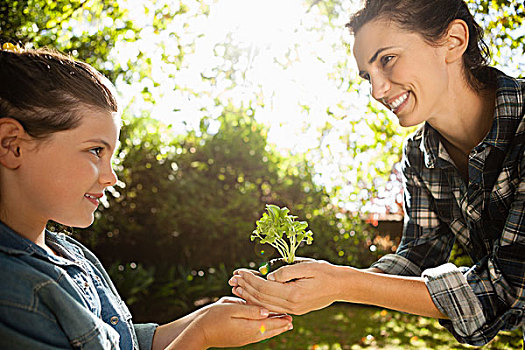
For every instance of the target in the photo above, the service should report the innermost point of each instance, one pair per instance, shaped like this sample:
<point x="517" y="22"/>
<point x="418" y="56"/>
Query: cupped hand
<point x="295" y="289"/>
<point x="232" y="323"/>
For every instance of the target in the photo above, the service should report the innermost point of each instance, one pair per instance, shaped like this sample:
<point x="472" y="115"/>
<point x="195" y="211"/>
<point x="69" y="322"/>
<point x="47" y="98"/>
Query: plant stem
<point x="285" y="247"/>
<point x="279" y="249"/>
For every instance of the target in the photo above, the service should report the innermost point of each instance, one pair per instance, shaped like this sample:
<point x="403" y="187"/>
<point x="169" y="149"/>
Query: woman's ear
<point x="456" y="40"/>
<point x="11" y="136"/>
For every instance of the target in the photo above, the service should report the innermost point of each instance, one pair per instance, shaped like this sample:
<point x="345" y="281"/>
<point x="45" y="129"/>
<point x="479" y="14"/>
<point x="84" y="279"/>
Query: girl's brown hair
<point x="431" y="19"/>
<point x="44" y="90"/>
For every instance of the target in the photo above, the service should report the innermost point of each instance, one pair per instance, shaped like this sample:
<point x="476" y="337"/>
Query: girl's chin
<point x="77" y="223"/>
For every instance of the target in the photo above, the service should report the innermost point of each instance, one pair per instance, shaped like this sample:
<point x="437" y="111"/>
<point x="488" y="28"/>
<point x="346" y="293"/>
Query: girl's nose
<point x="108" y="177"/>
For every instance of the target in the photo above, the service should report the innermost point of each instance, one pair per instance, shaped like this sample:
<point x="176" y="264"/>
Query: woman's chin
<point x="407" y="121"/>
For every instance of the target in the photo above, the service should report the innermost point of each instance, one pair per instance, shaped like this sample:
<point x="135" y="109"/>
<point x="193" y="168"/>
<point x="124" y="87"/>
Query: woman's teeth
<point x="398" y="101"/>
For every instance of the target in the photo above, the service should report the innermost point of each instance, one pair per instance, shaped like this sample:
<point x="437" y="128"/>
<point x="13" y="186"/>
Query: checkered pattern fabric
<point x="486" y="216"/>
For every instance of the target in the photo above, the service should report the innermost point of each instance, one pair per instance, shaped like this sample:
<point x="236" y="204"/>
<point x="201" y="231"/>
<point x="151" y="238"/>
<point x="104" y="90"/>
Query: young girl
<point x="59" y="128"/>
<point x="464" y="173"/>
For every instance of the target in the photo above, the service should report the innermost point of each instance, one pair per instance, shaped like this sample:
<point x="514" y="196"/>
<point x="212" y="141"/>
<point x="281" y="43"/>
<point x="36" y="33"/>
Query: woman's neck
<point x="470" y="118"/>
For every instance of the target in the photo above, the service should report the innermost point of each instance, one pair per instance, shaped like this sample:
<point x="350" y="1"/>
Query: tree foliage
<point x="194" y="200"/>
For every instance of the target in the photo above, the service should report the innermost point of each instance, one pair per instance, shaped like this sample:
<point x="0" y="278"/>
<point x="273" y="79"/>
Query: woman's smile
<point x="397" y="103"/>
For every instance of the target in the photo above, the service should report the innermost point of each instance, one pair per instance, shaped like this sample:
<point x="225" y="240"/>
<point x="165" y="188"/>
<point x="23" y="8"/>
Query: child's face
<point x="67" y="173"/>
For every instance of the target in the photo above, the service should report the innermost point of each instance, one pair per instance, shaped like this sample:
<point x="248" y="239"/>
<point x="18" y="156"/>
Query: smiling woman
<point x="463" y="172"/>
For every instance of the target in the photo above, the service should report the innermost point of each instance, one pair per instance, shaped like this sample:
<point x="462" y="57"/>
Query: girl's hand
<point x="231" y="323"/>
<point x="295" y="289"/>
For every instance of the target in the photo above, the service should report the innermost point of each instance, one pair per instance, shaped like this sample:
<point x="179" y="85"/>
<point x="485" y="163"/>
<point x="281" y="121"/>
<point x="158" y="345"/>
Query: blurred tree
<point x="86" y="29"/>
<point x="194" y="200"/>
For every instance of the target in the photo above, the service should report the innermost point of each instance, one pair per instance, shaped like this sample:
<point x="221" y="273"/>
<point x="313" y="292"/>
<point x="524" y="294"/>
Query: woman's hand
<point x="230" y="322"/>
<point x="295" y="289"/>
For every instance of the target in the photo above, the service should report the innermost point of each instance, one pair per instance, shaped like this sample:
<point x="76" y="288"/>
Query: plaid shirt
<point x="487" y="216"/>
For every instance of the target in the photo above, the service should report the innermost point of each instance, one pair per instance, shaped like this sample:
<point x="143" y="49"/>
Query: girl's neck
<point x="33" y="231"/>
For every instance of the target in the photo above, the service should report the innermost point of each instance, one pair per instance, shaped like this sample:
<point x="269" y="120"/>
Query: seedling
<point x="282" y="232"/>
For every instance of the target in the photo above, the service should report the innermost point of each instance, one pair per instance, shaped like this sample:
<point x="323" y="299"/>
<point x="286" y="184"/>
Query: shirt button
<point x="114" y="320"/>
<point x="86" y="285"/>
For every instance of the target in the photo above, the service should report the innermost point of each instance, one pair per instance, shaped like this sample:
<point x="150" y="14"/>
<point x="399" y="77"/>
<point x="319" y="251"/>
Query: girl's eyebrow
<point x="105" y="143"/>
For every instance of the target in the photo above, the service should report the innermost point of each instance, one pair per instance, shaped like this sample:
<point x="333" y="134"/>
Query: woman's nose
<point x="380" y="86"/>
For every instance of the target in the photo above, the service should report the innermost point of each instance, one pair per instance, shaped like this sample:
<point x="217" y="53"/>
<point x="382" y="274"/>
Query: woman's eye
<point x="386" y="59"/>
<point x="96" y="151"/>
<point x="365" y="76"/>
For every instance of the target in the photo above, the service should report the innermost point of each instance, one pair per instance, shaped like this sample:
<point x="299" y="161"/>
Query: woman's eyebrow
<point x="374" y="57"/>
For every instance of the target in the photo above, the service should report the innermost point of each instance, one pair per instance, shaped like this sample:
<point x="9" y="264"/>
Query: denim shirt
<point x="61" y="302"/>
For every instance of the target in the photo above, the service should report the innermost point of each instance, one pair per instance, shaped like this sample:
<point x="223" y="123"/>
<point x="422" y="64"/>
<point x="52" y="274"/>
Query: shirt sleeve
<point x="145" y="333"/>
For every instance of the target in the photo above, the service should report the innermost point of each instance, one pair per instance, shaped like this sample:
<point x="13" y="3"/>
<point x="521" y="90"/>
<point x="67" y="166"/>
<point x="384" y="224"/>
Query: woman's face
<point x="407" y="75"/>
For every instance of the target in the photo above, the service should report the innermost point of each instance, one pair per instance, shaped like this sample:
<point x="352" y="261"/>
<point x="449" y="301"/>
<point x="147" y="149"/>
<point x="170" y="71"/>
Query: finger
<point x="280" y="314"/>
<point x="231" y="300"/>
<point x="250" y="312"/>
<point x="239" y="271"/>
<point x="271" y="329"/>
<point x="290" y="272"/>
<point x="233" y="281"/>
<point x="284" y="316"/>
<point x="262" y="285"/>
<point x="253" y="297"/>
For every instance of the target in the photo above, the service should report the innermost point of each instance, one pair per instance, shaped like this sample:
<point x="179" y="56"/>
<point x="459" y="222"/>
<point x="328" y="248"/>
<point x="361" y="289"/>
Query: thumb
<point x="287" y="273"/>
<point x="251" y="312"/>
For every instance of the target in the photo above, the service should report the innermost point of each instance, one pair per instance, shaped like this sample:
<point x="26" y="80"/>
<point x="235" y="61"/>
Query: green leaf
<point x="276" y="224"/>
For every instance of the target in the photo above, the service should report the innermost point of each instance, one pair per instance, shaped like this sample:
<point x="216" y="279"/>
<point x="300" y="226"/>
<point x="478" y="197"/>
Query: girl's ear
<point x="456" y="40"/>
<point x="11" y="136"/>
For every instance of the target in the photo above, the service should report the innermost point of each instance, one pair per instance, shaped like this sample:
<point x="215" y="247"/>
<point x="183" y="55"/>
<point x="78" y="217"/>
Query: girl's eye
<point x="96" y="151"/>
<point x="386" y="59"/>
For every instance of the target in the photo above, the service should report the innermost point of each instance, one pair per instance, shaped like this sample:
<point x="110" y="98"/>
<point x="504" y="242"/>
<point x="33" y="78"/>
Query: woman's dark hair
<point x="431" y="19"/>
<point x="45" y="90"/>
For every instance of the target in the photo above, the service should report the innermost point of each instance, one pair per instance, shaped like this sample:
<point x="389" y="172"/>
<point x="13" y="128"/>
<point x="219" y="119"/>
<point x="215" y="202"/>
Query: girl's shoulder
<point x="21" y="280"/>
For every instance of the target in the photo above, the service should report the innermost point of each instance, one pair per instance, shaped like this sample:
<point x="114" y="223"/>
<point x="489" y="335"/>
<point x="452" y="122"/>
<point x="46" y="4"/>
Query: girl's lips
<point x="93" y="198"/>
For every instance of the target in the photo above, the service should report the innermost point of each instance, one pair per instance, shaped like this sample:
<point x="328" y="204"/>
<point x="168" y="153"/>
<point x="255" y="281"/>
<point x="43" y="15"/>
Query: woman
<point x="464" y="179"/>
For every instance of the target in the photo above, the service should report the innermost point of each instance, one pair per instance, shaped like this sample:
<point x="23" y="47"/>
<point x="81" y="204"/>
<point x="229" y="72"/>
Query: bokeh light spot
<point x="263" y="328"/>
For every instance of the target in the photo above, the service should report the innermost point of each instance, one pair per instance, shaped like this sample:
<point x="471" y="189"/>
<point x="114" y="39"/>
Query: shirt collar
<point x="14" y="244"/>
<point x="433" y="150"/>
<point x="509" y="110"/>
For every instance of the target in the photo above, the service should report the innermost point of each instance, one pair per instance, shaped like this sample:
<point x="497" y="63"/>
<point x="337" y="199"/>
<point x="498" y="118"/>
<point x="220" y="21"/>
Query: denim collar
<point x="14" y="244"/>
<point x="11" y="243"/>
